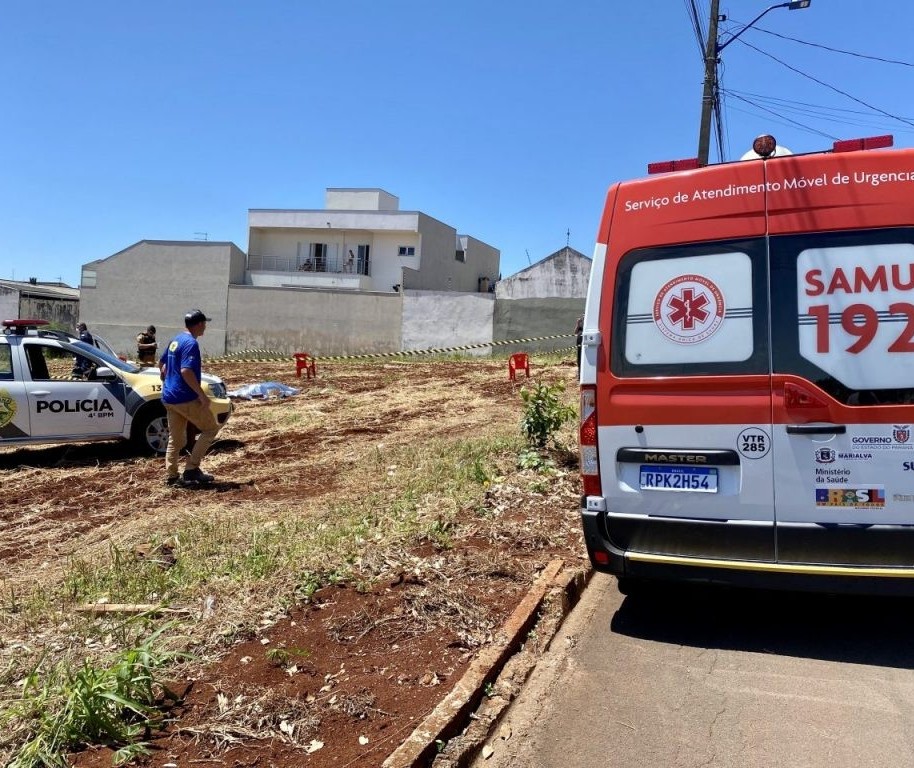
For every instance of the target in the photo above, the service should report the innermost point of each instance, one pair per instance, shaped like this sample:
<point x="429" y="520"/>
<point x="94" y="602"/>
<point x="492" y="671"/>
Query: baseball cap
<point x="194" y="316"/>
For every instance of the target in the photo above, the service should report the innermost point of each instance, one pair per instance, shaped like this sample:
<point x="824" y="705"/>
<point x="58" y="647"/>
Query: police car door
<point x="14" y="411"/>
<point x="843" y="357"/>
<point x="65" y="407"/>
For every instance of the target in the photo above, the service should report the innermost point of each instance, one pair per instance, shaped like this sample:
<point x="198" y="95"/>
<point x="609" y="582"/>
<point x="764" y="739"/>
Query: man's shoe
<point x="176" y="480"/>
<point x="197" y="476"/>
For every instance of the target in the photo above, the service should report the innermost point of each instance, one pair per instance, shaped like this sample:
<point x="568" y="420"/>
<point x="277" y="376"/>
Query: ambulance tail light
<point x="668" y="166"/>
<point x="870" y="142"/>
<point x="590" y="464"/>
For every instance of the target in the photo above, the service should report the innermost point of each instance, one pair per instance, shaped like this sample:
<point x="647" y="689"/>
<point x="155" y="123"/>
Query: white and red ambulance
<point x="747" y="377"/>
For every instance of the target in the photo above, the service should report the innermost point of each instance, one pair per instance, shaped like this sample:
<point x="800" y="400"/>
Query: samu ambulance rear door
<point x="685" y="407"/>
<point x="843" y="360"/>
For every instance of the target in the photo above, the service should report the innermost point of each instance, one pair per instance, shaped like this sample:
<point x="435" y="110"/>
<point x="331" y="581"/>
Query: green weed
<point x="64" y="708"/>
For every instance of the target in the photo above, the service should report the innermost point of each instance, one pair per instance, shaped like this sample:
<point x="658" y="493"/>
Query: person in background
<point x="146" y="346"/>
<point x="186" y="402"/>
<point x="84" y="334"/>
<point x="82" y="368"/>
<point x="578" y="334"/>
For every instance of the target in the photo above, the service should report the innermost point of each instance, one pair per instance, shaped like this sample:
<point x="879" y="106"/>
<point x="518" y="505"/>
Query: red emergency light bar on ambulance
<point x="747" y="376"/>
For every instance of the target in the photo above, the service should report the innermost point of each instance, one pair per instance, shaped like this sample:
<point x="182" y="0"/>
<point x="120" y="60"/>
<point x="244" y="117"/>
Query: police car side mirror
<point x="105" y="374"/>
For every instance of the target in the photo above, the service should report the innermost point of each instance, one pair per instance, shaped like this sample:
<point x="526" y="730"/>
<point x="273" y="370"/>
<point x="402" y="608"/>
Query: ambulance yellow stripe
<point x="744" y="565"/>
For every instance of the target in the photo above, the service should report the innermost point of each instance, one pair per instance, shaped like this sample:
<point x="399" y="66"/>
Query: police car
<point x="54" y="388"/>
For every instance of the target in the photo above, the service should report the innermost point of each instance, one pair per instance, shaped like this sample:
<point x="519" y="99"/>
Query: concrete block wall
<point x="157" y="282"/>
<point x="443" y="319"/>
<point x="61" y="314"/>
<point x="291" y="320"/>
<point x="530" y="318"/>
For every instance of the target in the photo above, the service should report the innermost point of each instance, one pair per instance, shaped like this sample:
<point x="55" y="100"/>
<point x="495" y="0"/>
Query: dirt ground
<point x="343" y="677"/>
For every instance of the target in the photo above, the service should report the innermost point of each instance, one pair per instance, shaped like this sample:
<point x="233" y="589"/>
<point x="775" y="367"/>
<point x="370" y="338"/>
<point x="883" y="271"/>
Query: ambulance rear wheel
<point x="635" y="587"/>
<point x="150" y="431"/>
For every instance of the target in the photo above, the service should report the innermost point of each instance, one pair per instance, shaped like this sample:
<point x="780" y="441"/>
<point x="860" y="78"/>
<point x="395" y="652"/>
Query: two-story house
<point x="362" y="241"/>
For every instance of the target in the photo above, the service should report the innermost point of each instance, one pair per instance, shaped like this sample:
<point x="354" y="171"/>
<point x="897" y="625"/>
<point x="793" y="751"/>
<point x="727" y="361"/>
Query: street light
<point x="793" y="5"/>
<point x="712" y="52"/>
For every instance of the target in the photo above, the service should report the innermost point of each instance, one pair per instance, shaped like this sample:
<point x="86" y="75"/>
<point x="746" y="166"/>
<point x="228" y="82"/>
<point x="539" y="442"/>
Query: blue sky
<point x="126" y="121"/>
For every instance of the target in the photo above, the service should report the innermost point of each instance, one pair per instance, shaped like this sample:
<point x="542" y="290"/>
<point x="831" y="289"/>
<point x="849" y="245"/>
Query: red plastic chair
<point x="305" y="362"/>
<point x="518" y="362"/>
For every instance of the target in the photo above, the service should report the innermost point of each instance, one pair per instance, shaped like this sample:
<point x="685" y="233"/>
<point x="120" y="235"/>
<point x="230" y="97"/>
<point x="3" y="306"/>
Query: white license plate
<point x="695" y="479"/>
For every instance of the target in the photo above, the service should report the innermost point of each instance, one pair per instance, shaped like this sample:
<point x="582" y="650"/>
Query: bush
<point x="544" y="413"/>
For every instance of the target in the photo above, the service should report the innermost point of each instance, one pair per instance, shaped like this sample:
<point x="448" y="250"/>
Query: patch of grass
<point x="123" y="579"/>
<point x="400" y="477"/>
<point x="63" y="707"/>
<point x="417" y="501"/>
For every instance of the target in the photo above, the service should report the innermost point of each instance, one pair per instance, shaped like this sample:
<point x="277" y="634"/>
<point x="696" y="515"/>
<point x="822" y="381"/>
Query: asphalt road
<point x="717" y="678"/>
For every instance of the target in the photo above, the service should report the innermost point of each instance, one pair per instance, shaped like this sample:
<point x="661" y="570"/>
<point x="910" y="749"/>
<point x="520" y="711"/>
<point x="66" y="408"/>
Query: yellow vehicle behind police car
<point x="54" y="388"/>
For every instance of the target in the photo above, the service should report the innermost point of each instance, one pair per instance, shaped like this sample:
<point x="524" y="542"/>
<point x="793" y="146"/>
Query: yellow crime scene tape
<point x="271" y="356"/>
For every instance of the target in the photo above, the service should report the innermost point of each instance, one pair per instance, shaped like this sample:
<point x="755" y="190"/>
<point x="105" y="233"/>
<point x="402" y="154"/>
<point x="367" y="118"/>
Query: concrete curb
<point x="454" y="711"/>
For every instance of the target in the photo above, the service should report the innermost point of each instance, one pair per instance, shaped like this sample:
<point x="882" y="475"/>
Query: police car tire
<point x="150" y="430"/>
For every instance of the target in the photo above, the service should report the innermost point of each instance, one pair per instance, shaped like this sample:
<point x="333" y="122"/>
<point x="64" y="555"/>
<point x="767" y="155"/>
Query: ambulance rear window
<point x="843" y="313"/>
<point x="697" y="309"/>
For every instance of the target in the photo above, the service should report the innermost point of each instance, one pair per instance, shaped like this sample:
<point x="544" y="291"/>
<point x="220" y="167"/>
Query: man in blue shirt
<point x="186" y="402"/>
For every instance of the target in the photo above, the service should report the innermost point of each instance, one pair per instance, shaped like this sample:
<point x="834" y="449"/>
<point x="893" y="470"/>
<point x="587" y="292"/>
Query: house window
<point x="406" y="250"/>
<point x="362" y="264"/>
<point x="319" y="256"/>
<point x="89" y="277"/>
<point x="461" y="256"/>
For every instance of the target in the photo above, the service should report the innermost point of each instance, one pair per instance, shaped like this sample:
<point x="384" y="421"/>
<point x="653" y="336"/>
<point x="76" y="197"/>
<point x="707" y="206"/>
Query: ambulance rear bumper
<point x="608" y="557"/>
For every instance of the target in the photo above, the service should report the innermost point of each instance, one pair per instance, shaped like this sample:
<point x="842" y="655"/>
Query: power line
<point x="720" y="103"/>
<point x="836" y="50"/>
<point x="781" y="118"/>
<point x="792" y="102"/>
<point x="692" y="11"/>
<point x="830" y="114"/>
<point x="831" y="87"/>
<point x="718" y="115"/>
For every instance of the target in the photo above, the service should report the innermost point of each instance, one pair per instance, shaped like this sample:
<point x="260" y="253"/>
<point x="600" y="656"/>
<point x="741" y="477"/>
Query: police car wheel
<point x="150" y="431"/>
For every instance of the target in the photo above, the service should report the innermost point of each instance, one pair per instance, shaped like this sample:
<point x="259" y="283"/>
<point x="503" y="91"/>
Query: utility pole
<point x="710" y="90"/>
<point x="712" y="53"/>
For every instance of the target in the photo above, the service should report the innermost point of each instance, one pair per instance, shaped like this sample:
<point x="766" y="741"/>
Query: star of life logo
<point x="688" y="309"/>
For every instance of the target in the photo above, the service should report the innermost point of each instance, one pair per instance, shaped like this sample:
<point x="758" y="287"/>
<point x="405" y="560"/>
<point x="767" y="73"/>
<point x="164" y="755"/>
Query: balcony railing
<point x="327" y="265"/>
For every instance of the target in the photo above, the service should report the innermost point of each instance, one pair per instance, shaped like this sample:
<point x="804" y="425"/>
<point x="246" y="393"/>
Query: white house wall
<point x="370" y="220"/>
<point x="443" y="319"/>
<point x="562" y="275"/>
<point x="386" y="263"/>
<point x="339" y="198"/>
<point x="483" y="258"/>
